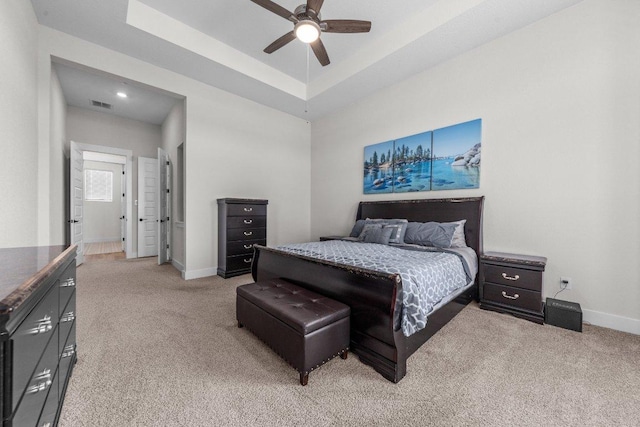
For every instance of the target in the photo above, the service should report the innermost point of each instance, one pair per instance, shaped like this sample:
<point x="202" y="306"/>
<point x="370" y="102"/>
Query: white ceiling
<point x="220" y="43"/>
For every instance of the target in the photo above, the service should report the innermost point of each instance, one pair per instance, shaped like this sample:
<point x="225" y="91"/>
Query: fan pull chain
<point x="306" y="91"/>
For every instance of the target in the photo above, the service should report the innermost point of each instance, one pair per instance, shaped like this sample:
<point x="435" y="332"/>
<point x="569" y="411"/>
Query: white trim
<point x="197" y="274"/>
<point x="611" y="321"/>
<point x="178" y="266"/>
<point x="129" y="187"/>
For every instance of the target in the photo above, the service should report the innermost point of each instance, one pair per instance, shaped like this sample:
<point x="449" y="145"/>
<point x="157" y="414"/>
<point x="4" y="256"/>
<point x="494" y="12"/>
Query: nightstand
<point x="512" y="283"/>
<point x="324" y="238"/>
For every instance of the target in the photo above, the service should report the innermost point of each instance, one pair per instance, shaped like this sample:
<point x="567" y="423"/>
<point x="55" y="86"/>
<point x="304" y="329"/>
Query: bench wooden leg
<point x="240" y="325"/>
<point x="344" y="354"/>
<point x="304" y="379"/>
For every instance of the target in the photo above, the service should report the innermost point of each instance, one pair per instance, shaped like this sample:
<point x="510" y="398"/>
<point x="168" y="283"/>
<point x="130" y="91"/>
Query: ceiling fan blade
<point x="345" y="26"/>
<point x="321" y="52"/>
<point x="280" y="42"/>
<point x="315" y="5"/>
<point x="277" y="9"/>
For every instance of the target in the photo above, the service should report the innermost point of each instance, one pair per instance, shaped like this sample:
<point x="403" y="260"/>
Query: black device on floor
<point x="564" y="314"/>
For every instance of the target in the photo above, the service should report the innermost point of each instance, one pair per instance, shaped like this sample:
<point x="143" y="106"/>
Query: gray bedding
<point x="429" y="275"/>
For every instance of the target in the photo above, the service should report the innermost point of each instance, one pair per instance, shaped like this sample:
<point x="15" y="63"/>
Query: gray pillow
<point x="375" y="233"/>
<point x="458" y="240"/>
<point x="357" y="228"/>
<point x="435" y="234"/>
<point x="399" y="227"/>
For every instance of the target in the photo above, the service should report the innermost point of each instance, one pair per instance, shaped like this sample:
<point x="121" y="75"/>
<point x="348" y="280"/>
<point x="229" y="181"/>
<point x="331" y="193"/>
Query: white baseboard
<point x="178" y="266"/>
<point x="611" y="321"/>
<point x="132" y="255"/>
<point x="197" y="274"/>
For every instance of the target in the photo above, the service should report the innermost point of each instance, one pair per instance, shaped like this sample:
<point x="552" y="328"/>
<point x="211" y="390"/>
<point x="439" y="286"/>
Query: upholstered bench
<point x="304" y="328"/>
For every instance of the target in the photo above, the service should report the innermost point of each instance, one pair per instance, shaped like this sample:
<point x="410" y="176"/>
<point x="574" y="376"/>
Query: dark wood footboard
<point x="372" y="295"/>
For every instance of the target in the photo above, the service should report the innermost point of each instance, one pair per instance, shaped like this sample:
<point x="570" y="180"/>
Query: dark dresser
<point x="242" y="223"/>
<point x="512" y="283"/>
<point x="37" y="333"/>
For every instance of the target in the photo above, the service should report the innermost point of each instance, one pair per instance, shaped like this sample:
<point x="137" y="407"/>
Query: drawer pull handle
<point x="68" y="317"/>
<point x="68" y="283"/>
<point x="68" y="351"/>
<point x="248" y="209"/>
<point x="45" y="377"/>
<point x="46" y="425"/>
<point x="505" y="276"/>
<point x="247" y="246"/>
<point x="515" y="296"/>
<point x="43" y="326"/>
<point x="248" y="233"/>
<point x="248" y="221"/>
<point x="248" y="261"/>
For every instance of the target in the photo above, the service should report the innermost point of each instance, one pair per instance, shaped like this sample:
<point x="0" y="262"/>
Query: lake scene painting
<point x="456" y="156"/>
<point x="443" y="159"/>
<point x="378" y="168"/>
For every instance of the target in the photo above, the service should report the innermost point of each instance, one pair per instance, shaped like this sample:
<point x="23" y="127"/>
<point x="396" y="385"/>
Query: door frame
<point x="128" y="172"/>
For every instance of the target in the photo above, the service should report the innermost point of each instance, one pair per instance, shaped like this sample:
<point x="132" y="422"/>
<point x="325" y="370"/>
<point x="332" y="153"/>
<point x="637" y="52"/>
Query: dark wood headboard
<point x="438" y="210"/>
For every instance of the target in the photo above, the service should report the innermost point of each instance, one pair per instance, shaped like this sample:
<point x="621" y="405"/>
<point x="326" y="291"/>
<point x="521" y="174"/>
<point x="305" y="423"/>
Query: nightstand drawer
<point x="246" y="234"/>
<point x="247" y="209"/>
<point x="246" y="221"/>
<point x="513" y="297"/>
<point x="243" y="247"/>
<point x="239" y="262"/>
<point x="513" y="277"/>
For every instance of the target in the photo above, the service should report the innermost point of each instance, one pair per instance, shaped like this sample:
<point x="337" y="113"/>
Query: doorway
<point x="77" y="193"/>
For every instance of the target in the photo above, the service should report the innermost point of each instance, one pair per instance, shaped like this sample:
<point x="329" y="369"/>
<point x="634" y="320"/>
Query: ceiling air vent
<point x="100" y="104"/>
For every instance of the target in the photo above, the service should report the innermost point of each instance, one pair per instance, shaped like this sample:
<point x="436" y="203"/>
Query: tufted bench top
<point x="303" y="310"/>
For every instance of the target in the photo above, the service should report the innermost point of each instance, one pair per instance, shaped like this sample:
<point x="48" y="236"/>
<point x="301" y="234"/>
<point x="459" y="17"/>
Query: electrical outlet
<point x="566" y="283"/>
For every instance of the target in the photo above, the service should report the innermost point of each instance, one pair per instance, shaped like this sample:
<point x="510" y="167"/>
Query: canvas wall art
<point x="442" y="159"/>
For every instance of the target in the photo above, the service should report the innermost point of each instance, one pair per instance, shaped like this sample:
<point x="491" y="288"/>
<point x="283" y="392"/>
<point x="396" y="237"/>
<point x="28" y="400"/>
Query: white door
<point x="123" y="211"/>
<point x="147" y="207"/>
<point x="163" y="206"/>
<point x="76" y="198"/>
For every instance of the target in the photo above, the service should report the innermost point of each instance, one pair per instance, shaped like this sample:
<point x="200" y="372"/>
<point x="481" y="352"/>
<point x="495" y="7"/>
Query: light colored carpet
<point x="155" y="350"/>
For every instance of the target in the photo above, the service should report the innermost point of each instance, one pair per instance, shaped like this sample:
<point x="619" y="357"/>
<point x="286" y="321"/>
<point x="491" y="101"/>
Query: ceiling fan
<point x="308" y="26"/>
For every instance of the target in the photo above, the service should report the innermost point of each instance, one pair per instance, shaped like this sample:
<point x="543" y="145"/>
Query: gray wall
<point x="18" y="121"/>
<point x="560" y="104"/>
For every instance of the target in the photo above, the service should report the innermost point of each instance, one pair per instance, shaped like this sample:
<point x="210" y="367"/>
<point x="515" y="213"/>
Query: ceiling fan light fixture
<point x="307" y="31"/>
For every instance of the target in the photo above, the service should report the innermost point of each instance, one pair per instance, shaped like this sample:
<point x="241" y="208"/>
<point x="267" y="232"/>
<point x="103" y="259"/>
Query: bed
<point x="372" y="295"/>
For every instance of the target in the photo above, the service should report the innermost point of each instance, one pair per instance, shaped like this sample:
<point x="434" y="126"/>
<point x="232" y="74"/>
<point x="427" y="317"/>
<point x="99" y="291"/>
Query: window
<point x="98" y="185"/>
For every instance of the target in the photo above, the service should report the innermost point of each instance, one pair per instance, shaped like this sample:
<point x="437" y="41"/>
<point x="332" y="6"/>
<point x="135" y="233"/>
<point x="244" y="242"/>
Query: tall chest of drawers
<point x="37" y="333"/>
<point x="242" y="223"/>
<point x="512" y="283"/>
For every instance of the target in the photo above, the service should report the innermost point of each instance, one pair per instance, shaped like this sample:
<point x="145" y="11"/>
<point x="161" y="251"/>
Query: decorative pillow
<point x="375" y="233"/>
<point x="399" y="226"/>
<point x="357" y="228"/>
<point x="435" y="234"/>
<point x="397" y="234"/>
<point x="458" y="240"/>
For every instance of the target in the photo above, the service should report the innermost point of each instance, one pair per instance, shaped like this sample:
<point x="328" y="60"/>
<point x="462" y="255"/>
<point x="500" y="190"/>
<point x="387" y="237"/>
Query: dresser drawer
<point x="246" y="221"/>
<point x="48" y="416"/>
<point x="38" y="385"/>
<point x="514" y="277"/>
<point x="513" y="297"/>
<point x="67" y="320"/>
<point x="243" y="247"/>
<point x="67" y="355"/>
<point x="235" y="209"/>
<point x="67" y="284"/>
<point x="31" y="338"/>
<point x="245" y="234"/>
<point x="239" y="262"/>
